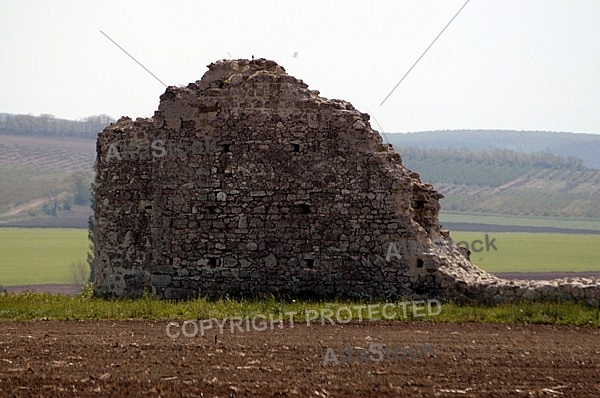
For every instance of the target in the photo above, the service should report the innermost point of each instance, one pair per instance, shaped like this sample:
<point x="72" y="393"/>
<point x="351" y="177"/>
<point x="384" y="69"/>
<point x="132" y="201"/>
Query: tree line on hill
<point x="582" y="146"/>
<point x="504" y="157"/>
<point x="47" y="125"/>
<point x="486" y="168"/>
<point x="508" y="182"/>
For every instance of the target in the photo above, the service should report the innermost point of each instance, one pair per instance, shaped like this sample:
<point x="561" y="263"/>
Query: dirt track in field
<point x="136" y="358"/>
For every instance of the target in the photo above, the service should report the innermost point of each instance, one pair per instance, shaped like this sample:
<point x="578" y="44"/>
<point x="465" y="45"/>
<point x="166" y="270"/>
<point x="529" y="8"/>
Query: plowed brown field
<point x="136" y="358"/>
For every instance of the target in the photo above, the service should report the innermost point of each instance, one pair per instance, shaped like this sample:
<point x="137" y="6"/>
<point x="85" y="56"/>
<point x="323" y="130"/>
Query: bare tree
<point x="51" y="205"/>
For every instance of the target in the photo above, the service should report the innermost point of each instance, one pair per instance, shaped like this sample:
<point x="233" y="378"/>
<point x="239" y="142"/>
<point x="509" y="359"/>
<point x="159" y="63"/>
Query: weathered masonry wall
<point x="247" y="183"/>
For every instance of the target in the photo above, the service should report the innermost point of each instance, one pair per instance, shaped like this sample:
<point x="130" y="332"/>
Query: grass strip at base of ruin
<point x="41" y="306"/>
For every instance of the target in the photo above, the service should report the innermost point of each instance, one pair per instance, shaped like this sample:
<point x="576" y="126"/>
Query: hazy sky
<point x="522" y="64"/>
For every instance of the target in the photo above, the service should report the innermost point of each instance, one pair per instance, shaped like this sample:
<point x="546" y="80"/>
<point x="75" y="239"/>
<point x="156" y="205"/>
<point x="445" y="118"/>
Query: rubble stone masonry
<point x="247" y="183"/>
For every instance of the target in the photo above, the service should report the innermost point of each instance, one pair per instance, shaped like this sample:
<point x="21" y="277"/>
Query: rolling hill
<point x="44" y="181"/>
<point x="507" y="182"/>
<point x="46" y="168"/>
<point x="583" y="146"/>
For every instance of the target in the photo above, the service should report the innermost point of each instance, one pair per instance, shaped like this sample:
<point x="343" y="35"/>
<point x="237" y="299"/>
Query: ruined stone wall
<point x="247" y="183"/>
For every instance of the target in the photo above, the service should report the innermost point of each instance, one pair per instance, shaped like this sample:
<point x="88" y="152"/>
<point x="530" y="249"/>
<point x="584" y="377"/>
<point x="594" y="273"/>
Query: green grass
<point x="34" y="306"/>
<point x="528" y="221"/>
<point x="534" y="252"/>
<point x="30" y="256"/>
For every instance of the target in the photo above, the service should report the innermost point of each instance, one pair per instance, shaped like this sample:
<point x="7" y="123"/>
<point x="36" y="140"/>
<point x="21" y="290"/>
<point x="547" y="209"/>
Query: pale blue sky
<point x="502" y="64"/>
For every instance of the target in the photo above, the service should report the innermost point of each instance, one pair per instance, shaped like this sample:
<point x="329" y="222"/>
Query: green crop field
<point x="528" y="221"/>
<point x="534" y="252"/>
<point x="30" y="256"/>
<point x="33" y="256"/>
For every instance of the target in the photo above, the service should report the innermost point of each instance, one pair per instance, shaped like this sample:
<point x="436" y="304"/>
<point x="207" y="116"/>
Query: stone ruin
<point x="247" y="183"/>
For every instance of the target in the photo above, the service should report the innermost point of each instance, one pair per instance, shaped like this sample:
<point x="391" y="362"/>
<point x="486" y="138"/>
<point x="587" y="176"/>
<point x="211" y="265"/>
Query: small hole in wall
<point x="149" y="207"/>
<point x="420" y="263"/>
<point x="309" y="263"/>
<point x="420" y="204"/>
<point x="226" y="147"/>
<point x="212" y="209"/>
<point x="296" y="147"/>
<point x="305" y="209"/>
<point x="212" y="262"/>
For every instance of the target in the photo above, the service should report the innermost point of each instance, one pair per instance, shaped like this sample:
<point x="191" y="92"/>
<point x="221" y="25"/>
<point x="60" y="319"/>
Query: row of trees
<point x="75" y="190"/>
<point x="544" y="160"/>
<point x="48" y="125"/>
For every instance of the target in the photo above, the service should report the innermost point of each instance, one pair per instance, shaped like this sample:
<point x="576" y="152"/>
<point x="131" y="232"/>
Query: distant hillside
<point x="508" y="182"/>
<point x="583" y="146"/>
<point x="46" y="168"/>
<point x="50" y="126"/>
<point x="45" y="172"/>
<point x="43" y="177"/>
